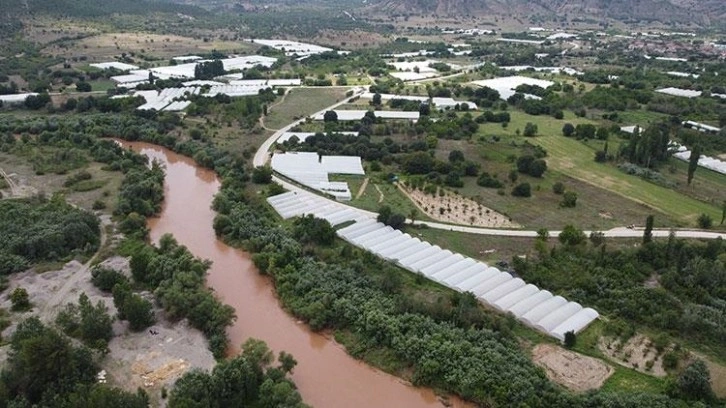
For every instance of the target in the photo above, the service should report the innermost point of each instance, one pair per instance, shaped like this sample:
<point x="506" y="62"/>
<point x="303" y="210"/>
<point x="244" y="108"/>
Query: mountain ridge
<point x="704" y="12"/>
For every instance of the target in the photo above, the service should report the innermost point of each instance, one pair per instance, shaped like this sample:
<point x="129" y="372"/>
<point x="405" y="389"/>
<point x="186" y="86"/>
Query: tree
<point x="83" y="87"/>
<point x="572" y="236"/>
<point x="694" y="383"/>
<point x="568" y="130"/>
<point x="20" y="300"/>
<point x="537" y="168"/>
<point x="723" y="212"/>
<point x="376" y="100"/>
<point x="330" y="116"/>
<point x="569" y="200"/>
<point x="693" y="162"/>
<point x="570" y="339"/>
<point x="648" y="231"/>
<point x="390" y="218"/>
<point x="558" y="188"/>
<point x="543" y="234"/>
<point x="262" y="175"/>
<point x="310" y="229"/>
<point x="91" y="324"/>
<point x="522" y="190"/>
<point x="530" y="129"/>
<point x="456" y="156"/>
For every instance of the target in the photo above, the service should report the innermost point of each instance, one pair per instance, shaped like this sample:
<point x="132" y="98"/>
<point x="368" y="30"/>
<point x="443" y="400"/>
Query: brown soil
<point x="572" y="370"/>
<point x="635" y="354"/>
<point x="457" y="209"/>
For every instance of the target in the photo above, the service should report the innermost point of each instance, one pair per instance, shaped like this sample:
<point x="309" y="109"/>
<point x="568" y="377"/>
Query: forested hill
<point x="91" y="8"/>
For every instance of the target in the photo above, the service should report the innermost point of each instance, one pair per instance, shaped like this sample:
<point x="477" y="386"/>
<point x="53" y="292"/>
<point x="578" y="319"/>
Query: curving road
<point x="263" y="155"/>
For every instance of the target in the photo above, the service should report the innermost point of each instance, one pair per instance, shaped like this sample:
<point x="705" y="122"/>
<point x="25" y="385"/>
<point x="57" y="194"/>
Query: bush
<point x="20" y="300"/>
<point x="572" y="236"/>
<point x="601" y="156"/>
<point x="262" y="175"/>
<point x="486" y="180"/>
<point x="522" y="190"/>
<point x="705" y="221"/>
<point x="568" y="130"/>
<point x="569" y="200"/>
<point x="91" y="324"/>
<point x="106" y="278"/>
<point x="558" y="188"/>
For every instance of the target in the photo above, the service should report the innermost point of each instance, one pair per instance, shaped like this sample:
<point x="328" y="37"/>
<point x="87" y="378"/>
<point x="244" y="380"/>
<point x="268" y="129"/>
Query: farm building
<point x="350" y="115"/>
<point x="303" y="136"/>
<point x="686" y="93"/>
<point x="506" y="85"/>
<point x="292" y="48"/>
<point x="312" y="171"/>
<point x="16" y="99"/>
<point x="540" y="309"/>
<point x="114" y="65"/>
<point x="701" y="127"/>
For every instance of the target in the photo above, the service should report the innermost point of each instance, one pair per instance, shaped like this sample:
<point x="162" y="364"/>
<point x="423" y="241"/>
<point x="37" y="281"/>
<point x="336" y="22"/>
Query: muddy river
<point x="326" y="375"/>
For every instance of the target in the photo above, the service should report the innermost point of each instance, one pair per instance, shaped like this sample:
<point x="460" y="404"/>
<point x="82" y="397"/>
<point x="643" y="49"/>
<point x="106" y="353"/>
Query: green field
<point x="371" y="199"/>
<point x="575" y="159"/>
<point x="300" y="103"/>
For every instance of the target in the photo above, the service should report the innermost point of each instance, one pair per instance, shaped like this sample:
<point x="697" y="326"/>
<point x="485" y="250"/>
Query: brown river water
<point x="326" y="375"/>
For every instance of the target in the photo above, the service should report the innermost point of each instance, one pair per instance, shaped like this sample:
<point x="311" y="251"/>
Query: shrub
<point x="486" y="180"/>
<point x="705" y="221"/>
<point x="262" y="175"/>
<point x="522" y="190"/>
<point x="558" y="188"/>
<point x="569" y="200"/>
<point x="20" y="300"/>
<point x="106" y="278"/>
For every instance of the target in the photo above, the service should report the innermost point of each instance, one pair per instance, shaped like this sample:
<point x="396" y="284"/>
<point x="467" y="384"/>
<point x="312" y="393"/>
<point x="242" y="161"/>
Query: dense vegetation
<point x="177" y="278"/>
<point x="41" y="230"/>
<point x="45" y="369"/>
<point x="687" y="301"/>
<point x="174" y="273"/>
<point x="247" y="380"/>
<point x="447" y="342"/>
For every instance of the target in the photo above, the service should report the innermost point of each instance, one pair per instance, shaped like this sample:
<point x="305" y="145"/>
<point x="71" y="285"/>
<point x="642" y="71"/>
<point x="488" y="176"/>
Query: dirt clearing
<point x="573" y="371"/>
<point x="637" y="353"/>
<point x="446" y="206"/>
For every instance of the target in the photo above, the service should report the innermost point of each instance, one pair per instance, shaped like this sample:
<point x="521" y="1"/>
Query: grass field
<point x="302" y="102"/>
<point x="575" y="160"/>
<point x="489" y="249"/>
<point x="372" y="199"/>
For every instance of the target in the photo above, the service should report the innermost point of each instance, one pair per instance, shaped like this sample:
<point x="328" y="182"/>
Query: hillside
<point x="90" y="8"/>
<point x="697" y="11"/>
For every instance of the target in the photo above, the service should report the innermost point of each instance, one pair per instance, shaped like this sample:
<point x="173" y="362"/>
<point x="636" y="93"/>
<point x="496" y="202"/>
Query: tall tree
<point x="693" y="162"/>
<point x="648" y="231"/>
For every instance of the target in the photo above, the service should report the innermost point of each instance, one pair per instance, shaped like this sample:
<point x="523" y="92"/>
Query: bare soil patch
<point x="142" y="359"/>
<point x="572" y="370"/>
<point x="637" y="353"/>
<point x="446" y="206"/>
<point x="108" y="45"/>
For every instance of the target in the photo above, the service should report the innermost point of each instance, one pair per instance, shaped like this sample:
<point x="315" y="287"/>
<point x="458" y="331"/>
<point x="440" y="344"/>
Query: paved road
<point x="262" y="156"/>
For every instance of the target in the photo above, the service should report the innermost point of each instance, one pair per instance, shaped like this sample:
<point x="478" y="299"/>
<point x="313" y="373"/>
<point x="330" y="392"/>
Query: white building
<point x="506" y="85"/>
<point x="686" y="93"/>
<point x="351" y="115"/>
<point x="16" y="99"/>
<point x="115" y="65"/>
<point x="312" y="171"/>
